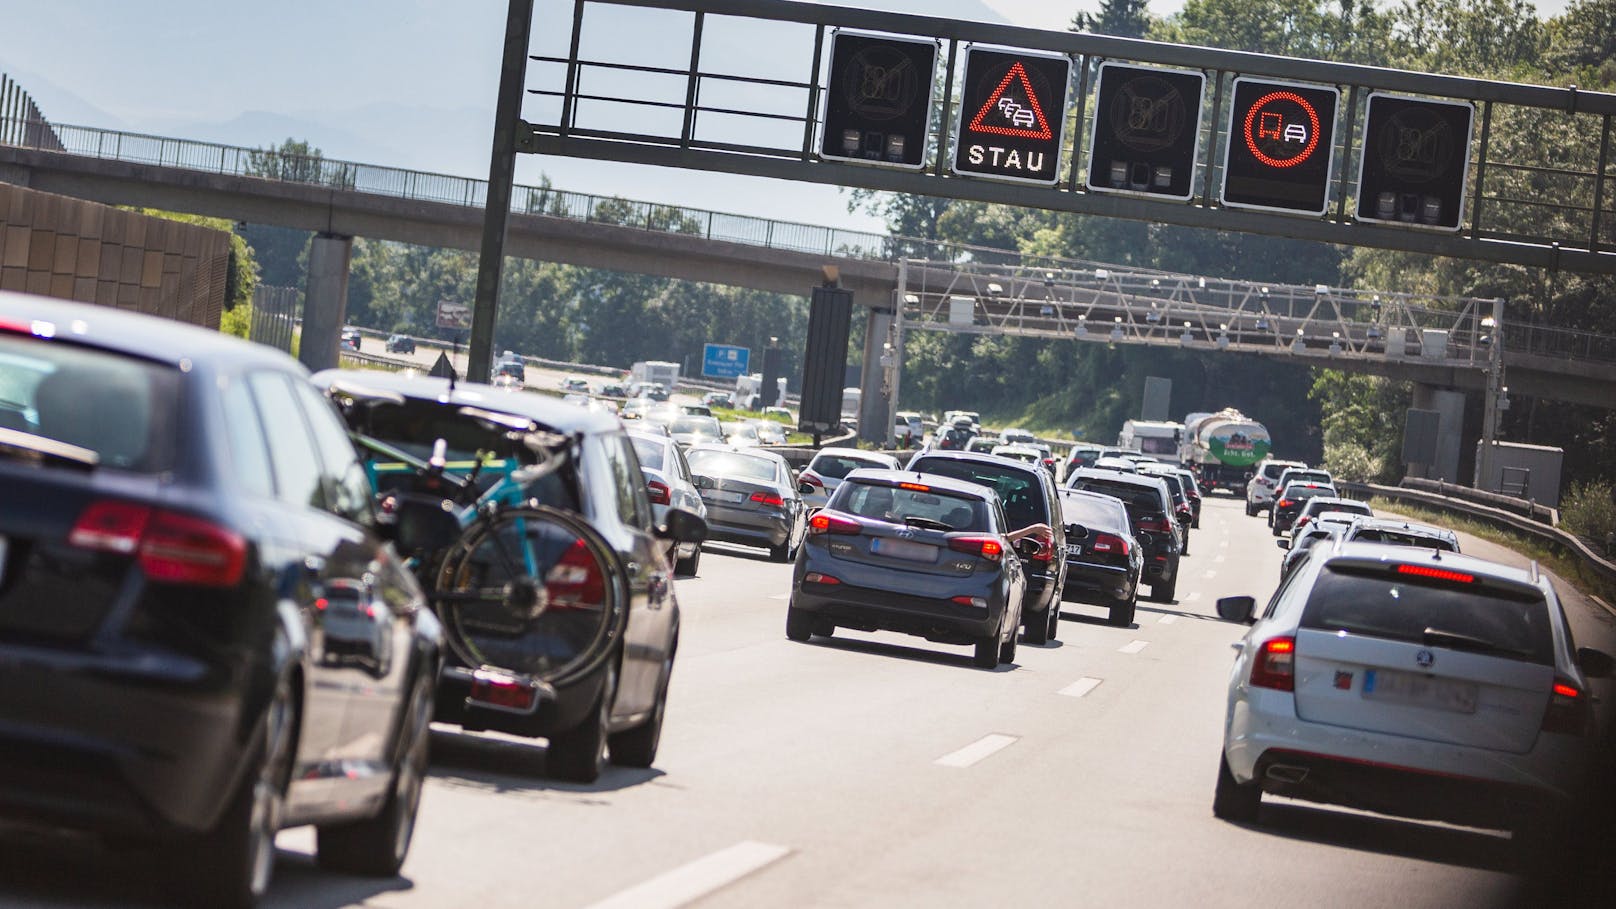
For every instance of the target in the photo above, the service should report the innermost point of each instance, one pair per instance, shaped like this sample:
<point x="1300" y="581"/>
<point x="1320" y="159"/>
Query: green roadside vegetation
<point x="1549" y="555"/>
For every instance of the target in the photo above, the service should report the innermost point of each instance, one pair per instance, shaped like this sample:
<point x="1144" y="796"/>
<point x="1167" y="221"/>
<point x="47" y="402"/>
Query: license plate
<point x="1074" y="549"/>
<point x="903" y="549"/>
<point x="1419" y="690"/>
<point x="724" y="495"/>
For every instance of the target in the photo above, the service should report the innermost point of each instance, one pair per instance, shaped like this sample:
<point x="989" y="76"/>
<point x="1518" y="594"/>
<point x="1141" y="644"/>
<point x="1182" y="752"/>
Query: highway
<point x="881" y="770"/>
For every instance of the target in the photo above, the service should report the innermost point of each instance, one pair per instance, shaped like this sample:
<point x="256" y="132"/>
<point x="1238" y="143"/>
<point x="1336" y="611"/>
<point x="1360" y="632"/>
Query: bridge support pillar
<point x="875" y="415"/>
<point x="325" y="300"/>
<point x="1449" y="435"/>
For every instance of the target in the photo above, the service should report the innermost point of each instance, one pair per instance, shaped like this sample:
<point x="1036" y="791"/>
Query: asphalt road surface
<point x="882" y="770"/>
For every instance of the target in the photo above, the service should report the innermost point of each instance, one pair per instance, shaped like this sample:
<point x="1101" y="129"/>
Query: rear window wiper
<point x="918" y="521"/>
<point x="1436" y="637"/>
<point x="25" y="446"/>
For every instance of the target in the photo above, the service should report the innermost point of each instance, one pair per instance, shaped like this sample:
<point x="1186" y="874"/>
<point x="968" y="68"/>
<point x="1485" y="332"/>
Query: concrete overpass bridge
<point x="1440" y="343"/>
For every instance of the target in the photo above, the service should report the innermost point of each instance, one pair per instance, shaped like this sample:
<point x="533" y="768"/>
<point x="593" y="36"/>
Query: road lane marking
<point x="692" y="881"/>
<point x="1219" y="558"/>
<point x="1080" y="687"/>
<point x="976" y="751"/>
<point x="1133" y="647"/>
<point x="1224" y="543"/>
<point x="1192" y="596"/>
<point x="779" y="596"/>
<point x="1168" y="619"/>
<point x="1209" y="573"/>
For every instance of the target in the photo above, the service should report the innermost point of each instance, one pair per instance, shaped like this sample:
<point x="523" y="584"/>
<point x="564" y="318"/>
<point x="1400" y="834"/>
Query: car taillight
<point x="768" y="498"/>
<point x="978" y="602"/>
<point x="1570" y="709"/>
<point x="575" y="581"/>
<point x="1437" y="574"/>
<point x="812" y="479"/>
<point x="815" y="577"/>
<point x="1302" y="521"/>
<point x="987" y="547"/>
<point x="830" y="523"/>
<point x="1275" y="665"/>
<point x="1285" y="503"/>
<point x="660" y="494"/>
<point x="1106" y="542"/>
<point x="1154" y="525"/>
<point x="502" y="692"/>
<point x="171" y="548"/>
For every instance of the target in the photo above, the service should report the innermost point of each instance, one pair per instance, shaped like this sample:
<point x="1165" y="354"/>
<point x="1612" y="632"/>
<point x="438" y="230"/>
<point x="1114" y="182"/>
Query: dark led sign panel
<point x="1281" y="146"/>
<point x="1415" y="158"/>
<point x="1146" y="131"/>
<point x="1012" y="116"/>
<point x="879" y="100"/>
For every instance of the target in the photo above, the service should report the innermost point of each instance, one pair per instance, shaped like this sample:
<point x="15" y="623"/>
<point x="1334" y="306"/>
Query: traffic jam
<point x="235" y="598"/>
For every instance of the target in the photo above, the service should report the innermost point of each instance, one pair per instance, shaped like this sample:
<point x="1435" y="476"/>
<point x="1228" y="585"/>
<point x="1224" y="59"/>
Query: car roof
<point x="935" y="481"/>
<point x="987" y="460"/>
<point x="149" y="337"/>
<point x="543" y="409"/>
<point x="748" y="451"/>
<point x="1132" y="479"/>
<point x="1380" y="523"/>
<point x="1333" y="500"/>
<point x="1351" y="551"/>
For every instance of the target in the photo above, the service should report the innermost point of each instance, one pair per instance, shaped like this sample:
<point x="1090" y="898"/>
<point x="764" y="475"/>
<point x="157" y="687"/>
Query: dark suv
<point x="602" y="690"/>
<point x="1150" y="508"/>
<point x="1029" y="497"/>
<point x="203" y="636"/>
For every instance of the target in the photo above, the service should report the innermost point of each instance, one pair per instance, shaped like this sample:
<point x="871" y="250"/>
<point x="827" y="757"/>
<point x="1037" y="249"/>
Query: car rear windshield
<point x="649" y="452"/>
<point x="715" y="463"/>
<point x="707" y="426"/>
<point x="885" y="503"/>
<point x="1089" y="512"/>
<point x="835" y="467"/>
<point x="1402" y="538"/>
<point x="1141" y="501"/>
<point x="121" y="408"/>
<point x="1018" y="488"/>
<point x="1272" y="471"/>
<point x="1433" y="613"/>
<point x="1296" y="492"/>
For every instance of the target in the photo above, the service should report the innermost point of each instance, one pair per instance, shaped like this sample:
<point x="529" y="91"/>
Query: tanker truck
<point x="1223" y="448"/>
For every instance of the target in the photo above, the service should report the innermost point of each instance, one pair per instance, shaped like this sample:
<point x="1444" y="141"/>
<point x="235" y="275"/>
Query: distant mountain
<point x="58" y="104"/>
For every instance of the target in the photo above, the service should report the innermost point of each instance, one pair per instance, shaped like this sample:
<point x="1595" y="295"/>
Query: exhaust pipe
<point x="1287" y="773"/>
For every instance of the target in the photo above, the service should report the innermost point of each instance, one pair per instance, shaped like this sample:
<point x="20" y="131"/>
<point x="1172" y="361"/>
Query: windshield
<point x="1403" y="538"/>
<point x="714" y="463"/>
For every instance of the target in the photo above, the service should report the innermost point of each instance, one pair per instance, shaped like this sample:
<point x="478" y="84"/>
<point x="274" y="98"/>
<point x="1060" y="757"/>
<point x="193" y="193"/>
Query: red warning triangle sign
<point x="1023" y="122"/>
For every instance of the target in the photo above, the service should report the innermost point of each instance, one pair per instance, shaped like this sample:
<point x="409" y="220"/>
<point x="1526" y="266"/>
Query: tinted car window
<point x="1297" y="493"/>
<point x="836" y="467"/>
<point x="884" y="503"/>
<point x="347" y="489"/>
<point x="628" y="486"/>
<point x="1139" y="500"/>
<point x="1410" y="609"/>
<point x="1399" y="538"/>
<point x="121" y="408"/>
<point x="1019" y="490"/>
<point x="249" y="456"/>
<point x="1087" y="511"/>
<point x="297" y="472"/>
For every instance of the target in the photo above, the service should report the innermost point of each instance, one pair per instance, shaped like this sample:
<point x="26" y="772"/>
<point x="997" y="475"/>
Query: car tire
<point x="578" y="755"/>
<point x="1165" y="591"/>
<point x="231" y="865"/>
<point x="1007" y="649"/>
<point x="1273" y="528"/>
<point x="637" y="747"/>
<point x="987" y="653"/>
<point x="1035" y="628"/>
<point x="1122" y="612"/>
<point x="1251" y="510"/>
<point x="1235" y="801"/>
<point x="1186" y="549"/>
<point x="1054" y="621"/>
<point x="799" y="624"/>
<point x="686" y="568"/>
<point x="377" y="846"/>
<point x="781" y="553"/>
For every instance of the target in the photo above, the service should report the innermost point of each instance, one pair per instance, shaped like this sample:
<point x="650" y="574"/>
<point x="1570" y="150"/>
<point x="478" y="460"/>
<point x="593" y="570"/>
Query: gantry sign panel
<point x="1281" y="146"/>
<point x="1012" y="116"/>
<point x="878" y="104"/>
<point x="1415" y="157"/>
<point x="1147" y="130"/>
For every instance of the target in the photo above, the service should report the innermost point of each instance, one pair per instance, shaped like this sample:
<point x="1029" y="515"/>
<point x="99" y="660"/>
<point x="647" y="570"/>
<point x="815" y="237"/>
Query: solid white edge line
<point x="976" y="751"/>
<point x="1168" y="619"/>
<point x="1080" y="687"/>
<point x="1133" y="647"/>
<point x="693" y="880"/>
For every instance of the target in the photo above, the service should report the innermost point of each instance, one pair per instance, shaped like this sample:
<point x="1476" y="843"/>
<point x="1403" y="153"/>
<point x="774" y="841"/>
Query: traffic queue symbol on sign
<point x="1415" y="159"/>
<point x="879" y="99"/>
<point x="1287" y="129"/>
<point x="1016" y="105"/>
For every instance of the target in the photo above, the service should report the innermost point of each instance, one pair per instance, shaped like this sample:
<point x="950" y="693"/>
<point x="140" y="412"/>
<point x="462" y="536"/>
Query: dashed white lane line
<point x="779" y="596"/>
<point x="1080" y="687"/>
<point x="1209" y="573"/>
<point x="1168" y="619"/>
<point x="1192" y="596"/>
<point x="1223" y="543"/>
<point x="1218" y="558"/>
<point x="976" y="751"/>
<point x="692" y="881"/>
<point x="1133" y="646"/>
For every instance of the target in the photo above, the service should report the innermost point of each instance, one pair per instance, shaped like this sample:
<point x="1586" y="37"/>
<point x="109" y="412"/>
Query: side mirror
<point x="702" y="482"/>
<point x="1283" y="543"/>
<point x="805" y="489"/>
<point x="1596" y="663"/>
<point x="683" y="526"/>
<point x="1027" y="547"/>
<point x="1238" y="609"/>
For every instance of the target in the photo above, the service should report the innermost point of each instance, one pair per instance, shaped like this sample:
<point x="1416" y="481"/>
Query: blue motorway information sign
<point x="725" y="361"/>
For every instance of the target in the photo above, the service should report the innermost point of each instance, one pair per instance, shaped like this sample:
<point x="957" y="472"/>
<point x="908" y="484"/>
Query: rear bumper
<point x="869" y="609"/>
<point x="146" y="745"/>
<point x="571" y="705"/>
<point x="1090" y="583"/>
<point x="730" y="525"/>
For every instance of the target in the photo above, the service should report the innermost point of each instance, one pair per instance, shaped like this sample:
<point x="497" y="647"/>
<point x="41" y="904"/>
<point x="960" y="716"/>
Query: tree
<point x="296" y="161"/>
<point x="1123" y="18"/>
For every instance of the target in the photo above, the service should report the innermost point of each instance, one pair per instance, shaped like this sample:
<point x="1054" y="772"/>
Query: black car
<point x="203" y="635"/>
<point x="400" y="344"/>
<point x="953" y="438"/>
<point x="1104" y="562"/>
<point x="1082" y="456"/>
<point x="1150" y="510"/>
<point x="1289" y="501"/>
<point x="509" y="364"/>
<point x="1028" y="494"/>
<point x="918" y="554"/>
<point x="1183" y="511"/>
<point x="601" y="688"/>
<point x="352" y="339"/>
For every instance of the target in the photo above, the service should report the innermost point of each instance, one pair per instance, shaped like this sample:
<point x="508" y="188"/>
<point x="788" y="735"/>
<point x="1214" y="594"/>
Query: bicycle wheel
<point x="532" y="591"/>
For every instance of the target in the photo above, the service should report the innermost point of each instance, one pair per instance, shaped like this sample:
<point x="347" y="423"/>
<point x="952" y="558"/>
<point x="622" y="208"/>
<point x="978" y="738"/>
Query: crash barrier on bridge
<point x="1526" y="508"/>
<point x="1572" y="545"/>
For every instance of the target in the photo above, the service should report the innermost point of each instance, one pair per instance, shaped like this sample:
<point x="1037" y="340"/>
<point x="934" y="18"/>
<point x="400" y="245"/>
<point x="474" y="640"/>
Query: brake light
<point x="1570" y="710"/>
<point x="1302" y="521"/>
<point x="502" y="692"/>
<point x="814" y="577"/>
<point x="1155" y="525"/>
<point x="172" y="548"/>
<point x="1106" y="542"/>
<point x="830" y="523"/>
<point x="1275" y="665"/>
<point x="1285" y="503"/>
<point x="575" y="581"/>
<point x="1440" y="574"/>
<point x="660" y="494"/>
<point x="915" y="487"/>
<point x="978" y="602"/>
<point x="1045" y="553"/>
<point x="812" y="479"/>
<point x="768" y="498"/>
<point x="987" y="547"/>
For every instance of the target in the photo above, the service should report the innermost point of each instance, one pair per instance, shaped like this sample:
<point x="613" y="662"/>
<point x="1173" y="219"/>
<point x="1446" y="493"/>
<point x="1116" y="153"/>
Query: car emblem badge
<point x="1425" y="658"/>
<point x="907" y="533"/>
